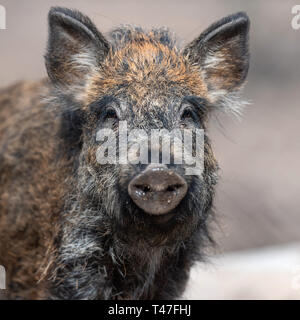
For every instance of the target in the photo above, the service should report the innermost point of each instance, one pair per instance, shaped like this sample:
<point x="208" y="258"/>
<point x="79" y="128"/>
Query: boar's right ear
<point x="75" y="46"/>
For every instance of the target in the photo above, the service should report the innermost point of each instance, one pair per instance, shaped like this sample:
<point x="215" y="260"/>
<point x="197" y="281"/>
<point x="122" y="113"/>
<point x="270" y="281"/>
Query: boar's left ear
<point x="221" y="52"/>
<point x="75" y="46"/>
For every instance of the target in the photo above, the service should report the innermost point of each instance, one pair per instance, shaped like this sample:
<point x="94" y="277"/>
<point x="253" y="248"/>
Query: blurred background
<point x="258" y="198"/>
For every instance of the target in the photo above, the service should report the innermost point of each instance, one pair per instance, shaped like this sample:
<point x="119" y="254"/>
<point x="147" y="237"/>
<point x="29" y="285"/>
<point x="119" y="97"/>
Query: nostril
<point x="174" y="187"/>
<point x="170" y="188"/>
<point x="143" y="188"/>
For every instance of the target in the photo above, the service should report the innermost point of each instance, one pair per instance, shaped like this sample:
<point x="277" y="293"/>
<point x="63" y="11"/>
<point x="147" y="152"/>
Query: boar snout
<point x="157" y="190"/>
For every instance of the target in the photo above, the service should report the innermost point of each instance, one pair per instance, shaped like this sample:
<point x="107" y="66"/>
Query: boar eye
<point x="111" y="114"/>
<point x="188" y="114"/>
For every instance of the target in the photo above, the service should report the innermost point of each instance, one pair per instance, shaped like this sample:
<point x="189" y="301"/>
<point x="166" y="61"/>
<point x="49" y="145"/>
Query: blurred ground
<point x="257" y="201"/>
<point x="268" y="273"/>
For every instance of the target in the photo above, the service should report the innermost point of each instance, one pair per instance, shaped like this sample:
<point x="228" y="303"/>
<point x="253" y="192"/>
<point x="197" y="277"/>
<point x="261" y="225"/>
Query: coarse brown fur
<point x="68" y="229"/>
<point x="29" y="189"/>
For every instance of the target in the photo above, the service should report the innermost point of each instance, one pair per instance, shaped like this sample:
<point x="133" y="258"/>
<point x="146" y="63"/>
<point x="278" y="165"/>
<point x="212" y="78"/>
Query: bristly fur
<point x="125" y="34"/>
<point x="68" y="227"/>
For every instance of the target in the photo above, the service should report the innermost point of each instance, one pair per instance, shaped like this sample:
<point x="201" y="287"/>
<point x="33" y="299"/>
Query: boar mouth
<point x="163" y="218"/>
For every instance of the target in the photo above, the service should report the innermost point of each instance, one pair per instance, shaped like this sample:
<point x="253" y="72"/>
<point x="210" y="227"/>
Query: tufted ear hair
<point x="222" y="54"/>
<point x="75" y="47"/>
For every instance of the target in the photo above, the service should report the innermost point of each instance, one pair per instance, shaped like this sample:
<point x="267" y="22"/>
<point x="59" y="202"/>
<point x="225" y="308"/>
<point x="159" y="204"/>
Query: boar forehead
<point x="145" y="70"/>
